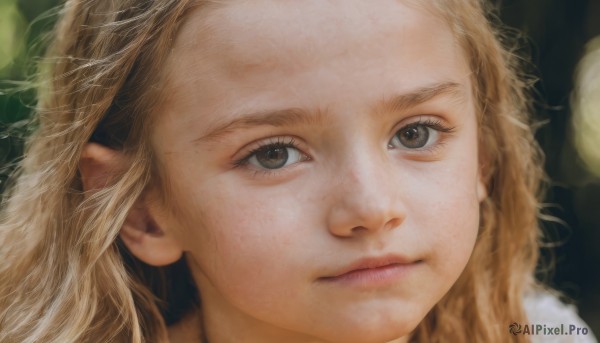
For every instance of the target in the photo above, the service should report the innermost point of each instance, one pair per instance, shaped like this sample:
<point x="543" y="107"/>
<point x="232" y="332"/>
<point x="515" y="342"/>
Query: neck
<point x="187" y="330"/>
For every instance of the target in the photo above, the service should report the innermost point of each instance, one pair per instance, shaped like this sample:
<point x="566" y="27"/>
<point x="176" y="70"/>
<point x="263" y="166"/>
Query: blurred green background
<point x="556" y="32"/>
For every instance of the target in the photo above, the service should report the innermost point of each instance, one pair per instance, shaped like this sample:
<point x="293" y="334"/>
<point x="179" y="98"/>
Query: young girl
<point x="275" y="171"/>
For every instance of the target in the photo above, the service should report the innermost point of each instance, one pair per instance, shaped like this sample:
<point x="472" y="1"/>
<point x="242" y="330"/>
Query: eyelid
<point x="432" y="121"/>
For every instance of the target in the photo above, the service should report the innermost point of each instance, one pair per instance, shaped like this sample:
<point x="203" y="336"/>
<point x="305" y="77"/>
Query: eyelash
<point x="435" y="124"/>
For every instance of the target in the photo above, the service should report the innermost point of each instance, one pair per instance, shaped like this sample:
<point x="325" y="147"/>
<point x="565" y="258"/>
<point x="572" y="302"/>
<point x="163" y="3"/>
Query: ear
<point x="482" y="178"/>
<point x="142" y="231"/>
<point x="481" y="188"/>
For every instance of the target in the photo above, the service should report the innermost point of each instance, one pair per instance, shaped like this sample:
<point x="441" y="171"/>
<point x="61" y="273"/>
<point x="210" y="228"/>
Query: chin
<point x="366" y="336"/>
<point x="373" y="330"/>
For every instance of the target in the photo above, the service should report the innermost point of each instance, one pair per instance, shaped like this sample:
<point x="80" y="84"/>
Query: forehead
<point x="249" y="35"/>
<point x="254" y="29"/>
<point x="245" y="56"/>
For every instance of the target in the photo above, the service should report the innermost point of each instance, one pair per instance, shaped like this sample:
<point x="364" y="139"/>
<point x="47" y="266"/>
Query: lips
<point x="371" y="266"/>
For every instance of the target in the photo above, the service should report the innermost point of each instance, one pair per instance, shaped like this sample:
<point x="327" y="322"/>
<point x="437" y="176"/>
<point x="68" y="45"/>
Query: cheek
<point x="457" y="226"/>
<point x="234" y="236"/>
<point x="453" y="219"/>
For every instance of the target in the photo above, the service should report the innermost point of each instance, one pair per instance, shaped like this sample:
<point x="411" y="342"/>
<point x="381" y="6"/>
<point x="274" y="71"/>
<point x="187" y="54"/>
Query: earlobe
<point x="482" y="176"/>
<point x="147" y="241"/>
<point x="142" y="233"/>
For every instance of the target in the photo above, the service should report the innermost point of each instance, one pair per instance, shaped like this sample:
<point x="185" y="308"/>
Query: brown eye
<point x="275" y="157"/>
<point x="414" y="136"/>
<point x="272" y="158"/>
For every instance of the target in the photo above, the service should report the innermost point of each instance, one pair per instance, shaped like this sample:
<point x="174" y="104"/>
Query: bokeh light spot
<point x="12" y="32"/>
<point x="586" y="107"/>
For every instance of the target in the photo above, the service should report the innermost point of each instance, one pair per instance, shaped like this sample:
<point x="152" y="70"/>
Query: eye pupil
<point x="414" y="137"/>
<point x="273" y="158"/>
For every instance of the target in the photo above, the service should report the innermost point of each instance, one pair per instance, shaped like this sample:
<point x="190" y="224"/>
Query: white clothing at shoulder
<point x="553" y="321"/>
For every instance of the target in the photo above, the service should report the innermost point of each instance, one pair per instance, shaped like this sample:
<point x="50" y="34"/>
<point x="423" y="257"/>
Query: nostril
<point x="393" y="223"/>
<point x="389" y="225"/>
<point x="359" y="229"/>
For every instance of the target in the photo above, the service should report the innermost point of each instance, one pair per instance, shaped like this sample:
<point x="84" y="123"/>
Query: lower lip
<point x="372" y="277"/>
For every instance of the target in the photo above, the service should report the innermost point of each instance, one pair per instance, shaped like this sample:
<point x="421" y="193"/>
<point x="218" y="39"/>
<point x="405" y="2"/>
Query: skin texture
<point x="260" y="242"/>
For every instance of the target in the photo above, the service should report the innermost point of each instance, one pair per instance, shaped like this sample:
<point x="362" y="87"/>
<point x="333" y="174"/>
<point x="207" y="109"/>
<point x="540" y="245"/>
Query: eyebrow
<point x="422" y="95"/>
<point x="296" y="116"/>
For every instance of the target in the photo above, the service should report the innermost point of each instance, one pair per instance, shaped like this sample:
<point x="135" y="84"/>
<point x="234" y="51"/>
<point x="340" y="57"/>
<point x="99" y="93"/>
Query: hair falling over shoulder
<point x="489" y="294"/>
<point x="65" y="277"/>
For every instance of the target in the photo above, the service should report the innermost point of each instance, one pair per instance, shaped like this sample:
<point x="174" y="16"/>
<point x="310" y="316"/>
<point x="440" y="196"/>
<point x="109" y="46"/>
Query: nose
<point x="366" y="199"/>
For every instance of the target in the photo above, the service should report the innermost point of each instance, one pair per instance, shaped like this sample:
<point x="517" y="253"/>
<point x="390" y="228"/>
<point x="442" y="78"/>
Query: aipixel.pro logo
<point x="546" y="330"/>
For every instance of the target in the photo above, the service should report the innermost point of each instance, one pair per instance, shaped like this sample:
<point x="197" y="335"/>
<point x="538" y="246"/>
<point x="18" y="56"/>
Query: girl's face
<point x="322" y="159"/>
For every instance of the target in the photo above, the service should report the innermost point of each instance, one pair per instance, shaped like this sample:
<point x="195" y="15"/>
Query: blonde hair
<point x="65" y="277"/>
<point x="488" y="296"/>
